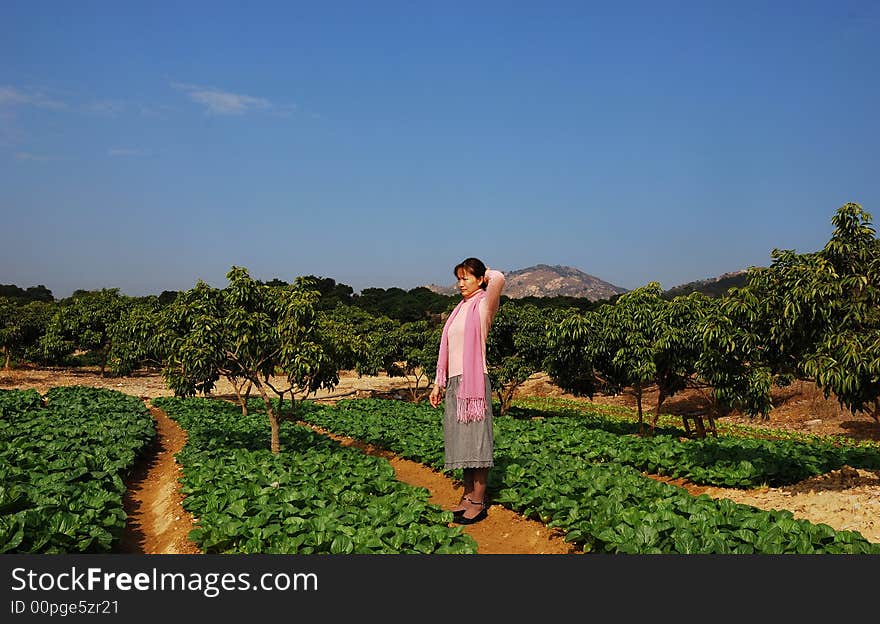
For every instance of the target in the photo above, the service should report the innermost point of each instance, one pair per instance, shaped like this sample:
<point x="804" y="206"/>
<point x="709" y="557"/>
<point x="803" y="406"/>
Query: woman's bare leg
<point x="468" y="481"/>
<point x="477" y="496"/>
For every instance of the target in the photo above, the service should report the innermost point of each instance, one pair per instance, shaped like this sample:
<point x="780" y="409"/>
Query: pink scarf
<point x="472" y="388"/>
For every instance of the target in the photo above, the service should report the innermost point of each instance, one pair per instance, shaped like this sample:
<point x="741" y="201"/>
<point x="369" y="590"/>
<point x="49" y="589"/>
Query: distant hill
<point x="713" y="286"/>
<point x="545" y="280"/>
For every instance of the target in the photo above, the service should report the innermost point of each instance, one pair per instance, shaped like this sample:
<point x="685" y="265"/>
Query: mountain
<point x="713" y="286"/>
<point x="545" y="280"/>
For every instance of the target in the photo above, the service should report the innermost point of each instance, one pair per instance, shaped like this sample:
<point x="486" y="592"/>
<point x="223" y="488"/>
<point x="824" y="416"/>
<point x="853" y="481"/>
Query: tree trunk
<point x="105" y="353"/>
<point x="661" y="396"/>
<point x="507" y="398"/>
<point x="275" y="440"/>
<point x="413" y="385"/>
<point x="8" y="364"/>
<point x="638" y="393"/>
<point x="242" y="400"/>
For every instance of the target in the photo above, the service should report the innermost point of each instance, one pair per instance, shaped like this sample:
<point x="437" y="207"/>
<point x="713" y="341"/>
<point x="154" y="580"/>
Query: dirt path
<point x="158" y="524"/>
<point x="503" y="532"/>
<point x="846" y="499"/>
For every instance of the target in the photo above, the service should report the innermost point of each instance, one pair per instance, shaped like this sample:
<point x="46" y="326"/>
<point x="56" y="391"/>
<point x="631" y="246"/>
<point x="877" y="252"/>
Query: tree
<point x="845" y="359"/>
<point x="167" y="297"/>
<point x="410" y="351"/>
<point x="253" y="332"/>
<point x="677" y="346"/>
<point x="83" y="322"/>
<point x="9" y="329"/>
<point x="21" y="327"/>
<point x="809" y="316"/>
<point x="362" y="336"/>
<point x="517" y="346"/>
<point x="135" y="336"/>
<point x="624" y="351"/>
<point x="332" y="293"/>
<point x="571" y="348"/>
<point x="413" y="305"/>
<point x="638" y="341"/>
<point x="31" y="293"/>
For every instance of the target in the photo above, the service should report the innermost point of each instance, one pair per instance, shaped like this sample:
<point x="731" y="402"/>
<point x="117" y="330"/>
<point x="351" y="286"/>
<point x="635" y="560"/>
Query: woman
<point x="462" y="371"/>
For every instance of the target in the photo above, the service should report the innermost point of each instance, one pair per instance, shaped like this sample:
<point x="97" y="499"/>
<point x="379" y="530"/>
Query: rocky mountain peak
<point x="546" y="280"/>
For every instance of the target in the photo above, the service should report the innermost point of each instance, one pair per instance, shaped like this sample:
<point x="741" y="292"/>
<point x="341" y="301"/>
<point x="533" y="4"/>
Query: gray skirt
<point x="467" y="444"/>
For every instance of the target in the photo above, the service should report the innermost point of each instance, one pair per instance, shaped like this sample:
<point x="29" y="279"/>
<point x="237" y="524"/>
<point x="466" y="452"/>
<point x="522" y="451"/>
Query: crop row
<point x="63" y="460"/>
<point x="314" y="497"/>
<point x="571" y="474"/>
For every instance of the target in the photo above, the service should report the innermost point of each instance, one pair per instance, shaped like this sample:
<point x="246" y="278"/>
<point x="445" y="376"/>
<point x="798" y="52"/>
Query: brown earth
<point x="847" y="499"/>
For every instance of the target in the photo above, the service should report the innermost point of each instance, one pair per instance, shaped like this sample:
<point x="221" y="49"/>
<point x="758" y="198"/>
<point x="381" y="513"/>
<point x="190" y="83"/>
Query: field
<point x="846" y="499"/>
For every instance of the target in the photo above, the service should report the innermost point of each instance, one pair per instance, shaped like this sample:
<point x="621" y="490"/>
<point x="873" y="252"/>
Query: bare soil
<point x="847" y="499"/>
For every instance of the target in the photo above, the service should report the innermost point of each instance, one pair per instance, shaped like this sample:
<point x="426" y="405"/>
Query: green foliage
<point x="317" y="497"/>
<point x="410" y="350"/>
<point x="569" y="362"/>
<point x="402" y="305"/>
<point x="332" y="294"/>
<point x="84" y="322"/>
<point x="582" y="475"/>
<point x="62" y="466"/>
<point x="517" y="346"/>
<point x="814" y="316"/>
<point x="21" y="328"/>
<point x="639" y="340"/>
<point x="363" y="338"/>
<point x="25" y="295"/>
<point x="253" y="331"/>
<point x="135" y="337"/>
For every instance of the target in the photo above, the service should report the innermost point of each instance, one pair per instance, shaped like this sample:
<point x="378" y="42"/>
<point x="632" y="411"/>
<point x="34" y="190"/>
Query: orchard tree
<point x="737" y="359"/>
<point x="135" y="338"/>
<point x="677" y="345"/>
<point x="571" y="348"/>
<point x="641" y="340"/>
<point x="84" y="322"/>
<point x="9" y="329"/>
<point x="810" y="316"/>
<point x="845" y="300"/>
<point x="624" y="353"/>
<point x="21" y="327"/>
<point x="517" y="346"/>
<point x="269" y="336"/>
<point x="410" y="351"/>
<point x="363" y="336"/>
<point x="193" y="344"/>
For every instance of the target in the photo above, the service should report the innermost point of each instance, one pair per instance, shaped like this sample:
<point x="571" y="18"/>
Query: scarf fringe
<point x="471" y="410"/>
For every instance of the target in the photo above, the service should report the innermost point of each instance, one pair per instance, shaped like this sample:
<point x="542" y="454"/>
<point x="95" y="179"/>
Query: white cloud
<point x="10" y="96"/>
<point x="223" y="102"/>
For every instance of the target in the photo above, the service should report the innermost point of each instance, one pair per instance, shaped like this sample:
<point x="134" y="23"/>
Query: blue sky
<point x="147" y="145"/>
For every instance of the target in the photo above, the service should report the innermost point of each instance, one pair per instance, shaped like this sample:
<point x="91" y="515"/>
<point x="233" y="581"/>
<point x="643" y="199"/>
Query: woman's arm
<point x="494" y="285"/>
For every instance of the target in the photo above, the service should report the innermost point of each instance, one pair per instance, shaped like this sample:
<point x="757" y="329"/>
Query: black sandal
<point x="461" y="519"/>
<point x="460" y="512"/>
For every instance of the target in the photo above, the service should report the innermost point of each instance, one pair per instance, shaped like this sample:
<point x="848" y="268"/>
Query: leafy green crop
<point x="314" y="497"/>
<point x="62" y="467"/>
<point x="572" y="474"/>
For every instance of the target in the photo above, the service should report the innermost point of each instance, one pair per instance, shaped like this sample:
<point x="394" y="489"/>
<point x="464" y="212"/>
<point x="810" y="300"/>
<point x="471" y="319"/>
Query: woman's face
<point x="468" y="284"/>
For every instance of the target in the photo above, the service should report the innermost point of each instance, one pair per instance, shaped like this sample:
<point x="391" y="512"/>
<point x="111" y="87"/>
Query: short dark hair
<point x="474" y="266"/>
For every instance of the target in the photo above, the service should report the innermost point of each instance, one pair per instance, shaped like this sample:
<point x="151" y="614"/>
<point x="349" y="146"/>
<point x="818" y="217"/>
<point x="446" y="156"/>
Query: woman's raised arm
<point x="494" y="285"/>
